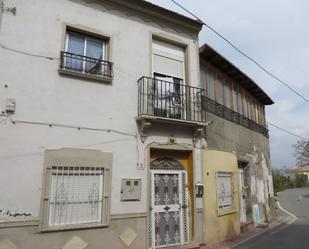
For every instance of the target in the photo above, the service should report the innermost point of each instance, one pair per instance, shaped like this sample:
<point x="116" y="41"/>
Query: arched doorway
<point x="169" y="203"/>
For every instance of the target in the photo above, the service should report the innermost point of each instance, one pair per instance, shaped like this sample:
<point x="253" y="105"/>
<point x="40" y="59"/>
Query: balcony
<point x="164" y="101"/>
<point x="86" y="67"/>
<point x="226" y="113"/>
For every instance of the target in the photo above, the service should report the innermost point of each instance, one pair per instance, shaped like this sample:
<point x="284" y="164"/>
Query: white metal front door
<point x="242" y="198"/>
<point x="169" y="212"/>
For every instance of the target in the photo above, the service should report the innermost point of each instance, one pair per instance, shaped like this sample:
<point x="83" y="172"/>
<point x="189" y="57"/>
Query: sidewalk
<point x="280" y="222"/>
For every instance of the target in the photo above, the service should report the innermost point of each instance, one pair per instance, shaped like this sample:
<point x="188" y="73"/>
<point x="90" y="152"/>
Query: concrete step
<point x="187" y="246"/>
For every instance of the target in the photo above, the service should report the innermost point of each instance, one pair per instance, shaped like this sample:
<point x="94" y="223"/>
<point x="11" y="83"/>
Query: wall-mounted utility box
<point x="199" y="190"/>
<point x="131" y="189"/>
<point x="10" y="105"/>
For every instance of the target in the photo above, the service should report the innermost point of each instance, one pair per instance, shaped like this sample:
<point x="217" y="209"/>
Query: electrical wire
<point x="71" y="126"/>
<point x="288" y="132"/>
<point x="28" y="53"/>
<point x="131" y="77"/>
<point x="78" y="146"/>
<point x="244" y="54"/>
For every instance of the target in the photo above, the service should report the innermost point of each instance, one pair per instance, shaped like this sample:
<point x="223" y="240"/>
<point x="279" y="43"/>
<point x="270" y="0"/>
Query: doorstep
<point x="187" y="246"/>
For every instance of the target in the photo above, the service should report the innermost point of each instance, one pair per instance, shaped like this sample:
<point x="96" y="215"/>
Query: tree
<point x="280" y="181"/>
<point x="301" y="152"/>
<point x="300" y="180"/>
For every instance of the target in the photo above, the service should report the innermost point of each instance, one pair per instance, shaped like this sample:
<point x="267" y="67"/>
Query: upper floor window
<point x="235" y="98"/>
<point x="220" y="93"/>
<point x="229" y="93"/>
<point x="86" y="55"/>
<point x="211" y="84"/>
<point x="168" y="59"/>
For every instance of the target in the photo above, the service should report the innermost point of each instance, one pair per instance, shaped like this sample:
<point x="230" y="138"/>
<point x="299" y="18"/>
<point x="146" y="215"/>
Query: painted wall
<point x="251" y="147"/>
<point x="27" y="237"/>
<point x="219" y="226"/>
<point x="42" y="95"/>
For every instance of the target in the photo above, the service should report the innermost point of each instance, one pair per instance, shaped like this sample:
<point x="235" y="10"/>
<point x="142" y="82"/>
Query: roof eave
<point x="259" y="93"/>
<point x="161" y="13"/>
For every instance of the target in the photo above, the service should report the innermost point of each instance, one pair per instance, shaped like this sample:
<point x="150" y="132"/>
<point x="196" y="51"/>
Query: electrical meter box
<point x="130" y="189"/>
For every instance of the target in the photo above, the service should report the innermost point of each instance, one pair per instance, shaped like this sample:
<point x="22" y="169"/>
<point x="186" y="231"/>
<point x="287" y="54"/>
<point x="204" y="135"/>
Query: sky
<point x="275" y="34"/>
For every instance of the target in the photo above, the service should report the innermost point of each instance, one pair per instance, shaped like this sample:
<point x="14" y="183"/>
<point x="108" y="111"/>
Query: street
<point x="293" y="236"/>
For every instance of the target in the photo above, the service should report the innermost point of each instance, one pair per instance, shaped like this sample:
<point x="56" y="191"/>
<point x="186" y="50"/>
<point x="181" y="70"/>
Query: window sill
<point x="73" y="227"/>
<point x="85" y="76"/>
<point x="226" y="211"/>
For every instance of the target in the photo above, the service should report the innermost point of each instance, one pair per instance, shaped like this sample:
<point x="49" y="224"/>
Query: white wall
<point x="43" y="95"/>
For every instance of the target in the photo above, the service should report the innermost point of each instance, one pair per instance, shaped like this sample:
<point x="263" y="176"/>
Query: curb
<point x="273" y="229"/>
<point x="285" y="211"/>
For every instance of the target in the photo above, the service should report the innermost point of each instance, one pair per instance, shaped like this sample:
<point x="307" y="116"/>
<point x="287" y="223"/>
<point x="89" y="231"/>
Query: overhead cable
<point x="244" y="54"/>
<point x="288" y="132"/>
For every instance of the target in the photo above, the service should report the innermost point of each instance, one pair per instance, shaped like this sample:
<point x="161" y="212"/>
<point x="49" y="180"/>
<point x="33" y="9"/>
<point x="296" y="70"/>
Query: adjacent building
<point x="302" y="170"/>
<point x="235" y="106"/>
<point x="118" y="131"/>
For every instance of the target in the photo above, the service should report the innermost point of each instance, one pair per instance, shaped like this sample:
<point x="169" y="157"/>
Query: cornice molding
<point x="149" y="12"/>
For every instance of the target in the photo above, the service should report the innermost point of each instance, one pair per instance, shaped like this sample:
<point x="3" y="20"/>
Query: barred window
<point x="75" y="196"/>
<point x="224" y="190"/>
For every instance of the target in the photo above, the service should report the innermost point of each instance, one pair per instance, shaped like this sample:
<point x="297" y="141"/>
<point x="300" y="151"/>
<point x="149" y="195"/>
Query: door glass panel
<point x="75" y="46"/>
<point x="166" y="189"/>
<point x="168" y="96"/>
<point x="167" y="230"/>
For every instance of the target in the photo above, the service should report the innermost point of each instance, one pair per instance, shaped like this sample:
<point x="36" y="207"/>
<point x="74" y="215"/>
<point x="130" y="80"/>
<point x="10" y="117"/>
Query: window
<point x="220" y="94"/>
<point x="263" y="116"/>
<point x="240" y="102"/>
<point x="248" y="107"/>
<point x="202" y="76"/>
<point x="224" y="190"/>
<point x="75" y="196"/>
<point x="227" y="90"/>
<point x="211" y="84"/>
<point x="168" y="59"/>
<point x="86" y="55"/>
<point x="235" y="98"/>
<point x="168" y="96"/>
<point x="222" y="90"/>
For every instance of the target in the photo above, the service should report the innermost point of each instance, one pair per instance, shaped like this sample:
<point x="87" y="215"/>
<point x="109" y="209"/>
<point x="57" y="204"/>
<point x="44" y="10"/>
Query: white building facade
<point x="98" y="98"/>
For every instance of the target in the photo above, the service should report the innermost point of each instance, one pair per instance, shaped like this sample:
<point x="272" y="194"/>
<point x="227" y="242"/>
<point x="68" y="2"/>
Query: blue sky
<point x="275" y="34"/>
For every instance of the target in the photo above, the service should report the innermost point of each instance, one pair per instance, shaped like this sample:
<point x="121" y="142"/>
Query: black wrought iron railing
<point x="166" y="99"/>
<point x="235" y="117"/>
<point x="86" y="65"/>
<point x="170" y="100"/>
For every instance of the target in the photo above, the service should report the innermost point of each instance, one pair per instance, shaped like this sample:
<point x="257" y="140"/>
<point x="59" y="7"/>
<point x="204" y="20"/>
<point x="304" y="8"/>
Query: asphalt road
<point x="293" y="236"/>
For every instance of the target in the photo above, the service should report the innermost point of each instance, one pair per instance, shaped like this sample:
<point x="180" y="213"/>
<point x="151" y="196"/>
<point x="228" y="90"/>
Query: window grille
<point x="224" y="190"/>
<point x="76" y="189"/>
<point x="76" y="196"/>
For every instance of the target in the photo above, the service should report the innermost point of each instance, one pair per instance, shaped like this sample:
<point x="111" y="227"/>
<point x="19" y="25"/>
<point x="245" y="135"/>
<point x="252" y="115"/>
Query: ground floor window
<point x="75" y="196"/>
<point x="224" y="190"/>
